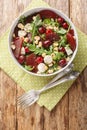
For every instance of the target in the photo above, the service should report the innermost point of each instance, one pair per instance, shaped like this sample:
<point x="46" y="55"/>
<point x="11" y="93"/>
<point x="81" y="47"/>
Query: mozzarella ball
<point x="48" y="59"/>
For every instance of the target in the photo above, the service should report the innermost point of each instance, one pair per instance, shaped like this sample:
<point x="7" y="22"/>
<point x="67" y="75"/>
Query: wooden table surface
<point x="71" y="112"/>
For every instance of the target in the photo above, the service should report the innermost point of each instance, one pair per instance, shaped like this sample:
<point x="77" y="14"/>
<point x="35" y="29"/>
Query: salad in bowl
<point x="43" y="41"/>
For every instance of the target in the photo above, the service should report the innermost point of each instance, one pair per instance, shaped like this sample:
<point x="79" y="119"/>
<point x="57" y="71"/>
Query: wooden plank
<point x="78" y="92"/>
<point x="78" y="14"/>
<point x="78" y="103"/>
<point x="7" y="102"/>
<point x="58" y="118"/>
<point x="61" y="5"/>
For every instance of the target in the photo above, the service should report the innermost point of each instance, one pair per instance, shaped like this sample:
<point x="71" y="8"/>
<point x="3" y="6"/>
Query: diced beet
<point x="48" y="14"/>
<point x="18" y="44"/>
<point x="71" y="41"/>
<point x="71" y="31"/>
<point x="52" y="36"/>
<point x="30" y="60"/>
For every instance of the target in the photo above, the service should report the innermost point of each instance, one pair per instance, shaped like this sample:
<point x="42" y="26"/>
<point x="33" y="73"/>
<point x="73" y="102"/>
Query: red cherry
<point x="71" y="41"/>
<point x="39" y="59"/>
<point x="42" y="30"/>
<point x="62" y="49"/>
<point x="65" y="25"/>
<point x="49" y="31"/>
<point x="62" y="62"/>
<point x="21" y="59"/>
<point x="60" y="20"/>
<point x="27" y="49"/>
<point x="71" y="31"/>
<point x="46" y="44"/>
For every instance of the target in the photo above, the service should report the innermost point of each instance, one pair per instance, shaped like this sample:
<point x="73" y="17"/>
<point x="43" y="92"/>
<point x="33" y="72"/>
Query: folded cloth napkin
<point x="50" y="98"/>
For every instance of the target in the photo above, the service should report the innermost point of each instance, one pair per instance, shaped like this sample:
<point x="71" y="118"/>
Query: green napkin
<point x="49" y="98"/>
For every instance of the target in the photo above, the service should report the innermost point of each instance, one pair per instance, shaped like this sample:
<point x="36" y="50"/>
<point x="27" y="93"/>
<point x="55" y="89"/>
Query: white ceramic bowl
<point x="32" y="11"/>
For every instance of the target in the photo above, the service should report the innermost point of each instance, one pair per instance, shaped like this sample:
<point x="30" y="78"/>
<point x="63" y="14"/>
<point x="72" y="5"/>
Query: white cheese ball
<point x="23" y="51"/>
<point x="48" y="59"/>
<point x="41" y="67"/>
<point x="21" y="33"/>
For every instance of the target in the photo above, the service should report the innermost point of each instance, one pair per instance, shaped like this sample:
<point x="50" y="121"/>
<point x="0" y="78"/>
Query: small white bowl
<point x="32" y="11"/>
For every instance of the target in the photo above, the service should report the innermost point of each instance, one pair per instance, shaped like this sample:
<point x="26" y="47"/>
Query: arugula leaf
<point x="63" y="41"/>
<point x="58" y="55"/>
<point x="29" y="68"/>
<point x="22" y="19"/>
<point x="62" y="31"/>
<point x="38" y="50"/>
<point x="46" y="21"/>
<point x="35" y="24"/>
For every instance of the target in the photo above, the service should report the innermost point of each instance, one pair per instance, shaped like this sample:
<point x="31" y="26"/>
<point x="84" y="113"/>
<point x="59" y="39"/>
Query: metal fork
<point x="32" y="96"/>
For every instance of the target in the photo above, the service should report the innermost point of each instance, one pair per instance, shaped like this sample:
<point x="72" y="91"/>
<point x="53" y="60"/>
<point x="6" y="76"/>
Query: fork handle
<point x="62" y="80"/>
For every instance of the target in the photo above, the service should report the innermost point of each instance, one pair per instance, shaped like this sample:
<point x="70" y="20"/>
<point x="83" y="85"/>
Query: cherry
<point x="21" y="59"/>
<point x="60" y="20"/>
<point x="62" y="62"/>
<point x="65" y="25"/>
<point x="49" y="31"/>
<point x="71" y="41"/>
<point x="39" y="59"/>
<point x="42" y="30"/>
<point x="46" y="43"/>
<point x="71" y="31"/>
<point x="27" y="49"/>
<point x="62" y="49"/>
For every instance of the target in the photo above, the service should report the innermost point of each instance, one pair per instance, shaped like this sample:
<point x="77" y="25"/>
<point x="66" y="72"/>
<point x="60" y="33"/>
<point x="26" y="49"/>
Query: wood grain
<point x="71" y="112"/>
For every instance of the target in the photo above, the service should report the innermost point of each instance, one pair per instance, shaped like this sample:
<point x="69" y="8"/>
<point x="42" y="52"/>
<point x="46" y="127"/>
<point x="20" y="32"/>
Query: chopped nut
<point x="50" y="65"/>
<point x="50" y="71"/>
<point x="44" y="54"/>
<point x="46" y="68"/>
<point x="49" y="27"/>
<point x="37" y="38"/>
<point x="55" y="28"/>
<point x="26" y="39"/>
<point x="55" y="48"/>
<point x="55" y="44"/>
<point x="36" y="42"/>
<point x="40" y="44"/>
<point x="59" y="67"/>
<point x="68" y="59"/>
<point x="53" y="55"/>
<point x="21" y="26"/>
<point x="13" y="47"/>
<point x="13" y="35"/>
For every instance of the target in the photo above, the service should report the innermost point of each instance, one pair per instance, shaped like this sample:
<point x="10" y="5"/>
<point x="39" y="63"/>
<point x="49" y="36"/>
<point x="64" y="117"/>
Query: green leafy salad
<point x="43" y="43"/>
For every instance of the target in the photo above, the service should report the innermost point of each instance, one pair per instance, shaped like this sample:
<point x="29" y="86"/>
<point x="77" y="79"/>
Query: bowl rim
<point x="32" y="11"/>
